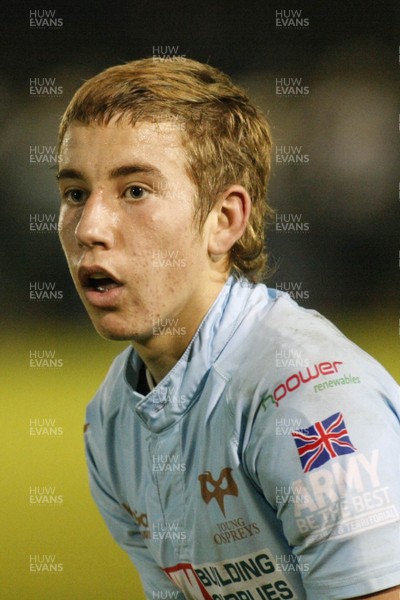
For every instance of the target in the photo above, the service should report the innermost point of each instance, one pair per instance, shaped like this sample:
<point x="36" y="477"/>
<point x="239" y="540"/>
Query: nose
<point x="95" y="225"/>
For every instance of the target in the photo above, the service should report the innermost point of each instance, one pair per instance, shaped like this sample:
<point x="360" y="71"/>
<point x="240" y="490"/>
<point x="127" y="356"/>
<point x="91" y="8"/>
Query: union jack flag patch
<point x="322" y="441"/>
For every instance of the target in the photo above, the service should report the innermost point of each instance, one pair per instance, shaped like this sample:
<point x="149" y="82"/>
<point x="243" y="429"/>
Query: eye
<point x="135" y="192"/>
<point x="74" y="196"/>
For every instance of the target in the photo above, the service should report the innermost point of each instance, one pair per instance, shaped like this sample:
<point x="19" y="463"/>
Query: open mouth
<point x="95" y="279"/>
<point x="99" y="283"/>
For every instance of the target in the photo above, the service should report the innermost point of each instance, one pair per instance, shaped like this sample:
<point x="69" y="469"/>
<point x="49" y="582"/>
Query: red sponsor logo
<point x="293" y="382"/>
<point x="185" y="578"/>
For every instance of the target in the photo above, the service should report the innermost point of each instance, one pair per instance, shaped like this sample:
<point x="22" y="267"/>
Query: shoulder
<point x="286" y="356"/>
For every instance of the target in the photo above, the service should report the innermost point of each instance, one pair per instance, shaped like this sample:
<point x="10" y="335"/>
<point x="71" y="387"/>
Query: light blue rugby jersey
<point x="265" y="465"/>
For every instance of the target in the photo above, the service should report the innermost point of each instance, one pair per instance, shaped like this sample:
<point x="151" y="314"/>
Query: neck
<point x="162" y="350"/>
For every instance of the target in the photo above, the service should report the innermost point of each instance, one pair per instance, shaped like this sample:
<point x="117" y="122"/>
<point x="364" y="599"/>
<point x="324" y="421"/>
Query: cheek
<point x="66" y="231"/>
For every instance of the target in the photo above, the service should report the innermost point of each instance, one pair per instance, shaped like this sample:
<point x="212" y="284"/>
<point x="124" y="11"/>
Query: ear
<point x="228" y="220"/>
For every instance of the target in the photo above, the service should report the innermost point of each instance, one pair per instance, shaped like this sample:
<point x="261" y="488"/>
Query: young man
<point x="223" y="472"/>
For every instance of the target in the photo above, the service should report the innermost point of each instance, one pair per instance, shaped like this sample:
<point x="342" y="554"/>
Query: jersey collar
<point x="181" y="387"/>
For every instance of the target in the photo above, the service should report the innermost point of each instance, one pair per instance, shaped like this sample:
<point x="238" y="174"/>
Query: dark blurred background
<point x="328" y="82"/>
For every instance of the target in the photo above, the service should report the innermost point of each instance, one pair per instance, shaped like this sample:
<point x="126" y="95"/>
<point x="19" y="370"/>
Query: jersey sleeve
<point x="324" y="450"/>
<point x="122" y="525"/>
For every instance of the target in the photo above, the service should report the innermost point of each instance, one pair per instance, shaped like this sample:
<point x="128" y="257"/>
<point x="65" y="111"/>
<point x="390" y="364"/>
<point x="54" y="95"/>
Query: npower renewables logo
<point x="293" y="382"/>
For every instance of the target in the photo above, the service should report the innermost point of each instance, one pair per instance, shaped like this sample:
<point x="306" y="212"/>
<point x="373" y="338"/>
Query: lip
<point x="86" y="272"/>
<point x="102" y="299"/>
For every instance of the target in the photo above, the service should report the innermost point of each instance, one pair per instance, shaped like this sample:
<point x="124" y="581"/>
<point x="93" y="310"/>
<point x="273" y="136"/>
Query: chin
<point x="120" y="331"/>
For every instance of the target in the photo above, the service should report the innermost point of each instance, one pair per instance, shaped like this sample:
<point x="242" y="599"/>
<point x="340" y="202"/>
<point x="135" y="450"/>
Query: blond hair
<point x="226" y="138"/>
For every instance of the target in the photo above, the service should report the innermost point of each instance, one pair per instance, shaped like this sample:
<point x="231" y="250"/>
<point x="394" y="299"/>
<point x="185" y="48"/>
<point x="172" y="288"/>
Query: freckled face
<point x="126" y="216"/>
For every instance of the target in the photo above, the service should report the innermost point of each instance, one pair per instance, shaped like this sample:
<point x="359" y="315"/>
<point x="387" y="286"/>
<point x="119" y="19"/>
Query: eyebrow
<point x="69" y="174"/>
<point x="136" y="168"/>
<point x="121" y="171"/>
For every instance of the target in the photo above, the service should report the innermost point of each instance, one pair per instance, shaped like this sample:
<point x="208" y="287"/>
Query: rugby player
<point x="224" y="471"/>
